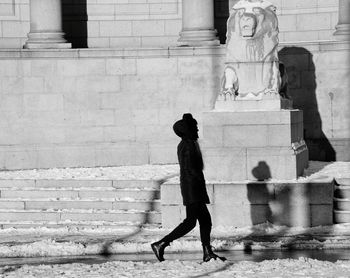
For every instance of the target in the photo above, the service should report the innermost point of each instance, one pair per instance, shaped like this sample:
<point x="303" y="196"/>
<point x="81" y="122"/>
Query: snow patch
<point x="285" y="268"/>
<point x="142" y="172"/>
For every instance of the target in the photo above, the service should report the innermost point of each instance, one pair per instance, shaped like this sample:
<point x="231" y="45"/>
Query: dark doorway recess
<point x="74" y="14"/>
<point x="221" y="14"/>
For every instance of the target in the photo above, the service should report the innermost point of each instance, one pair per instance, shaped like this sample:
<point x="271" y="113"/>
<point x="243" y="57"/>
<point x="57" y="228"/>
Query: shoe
<point x="158" y="249"/>
<point x="208" y="254"/>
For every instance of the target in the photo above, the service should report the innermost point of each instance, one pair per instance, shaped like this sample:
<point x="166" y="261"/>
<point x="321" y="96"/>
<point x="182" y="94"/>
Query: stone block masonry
<point x="101" y="109"/>
<point x="254" y="145"/>
<point x="14" y="23"/>
<point x="122" y="23"/>
<point x="306" y="20"/>
<point x="140" y="24"/>
<point x="48" y="202"/>
<point x="241" y="204"/>
<point x="110" y="23"/>
<point x="89" y="107"/>
<point x="313" y="80"/>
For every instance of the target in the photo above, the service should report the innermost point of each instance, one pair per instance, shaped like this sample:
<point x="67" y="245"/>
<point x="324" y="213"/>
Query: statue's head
<point x="252" y="31"/>
<point x="251" y="18"/>
<point x="247" y="24"/>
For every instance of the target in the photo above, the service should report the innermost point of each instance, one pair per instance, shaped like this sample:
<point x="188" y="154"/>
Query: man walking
<point x="193" y="191"/>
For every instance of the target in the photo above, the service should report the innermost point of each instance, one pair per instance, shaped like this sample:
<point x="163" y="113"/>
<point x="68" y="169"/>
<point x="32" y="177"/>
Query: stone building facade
<point x="109" y="93"/>
<point x="144" y="23"/>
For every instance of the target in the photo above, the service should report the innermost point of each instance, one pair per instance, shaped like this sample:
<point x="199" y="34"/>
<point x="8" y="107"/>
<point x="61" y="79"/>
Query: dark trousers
<point x="193" y="212"/>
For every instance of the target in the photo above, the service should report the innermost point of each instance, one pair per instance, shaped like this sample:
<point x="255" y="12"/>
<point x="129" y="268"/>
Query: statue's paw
<point x="227" y="91"/>
<point x="221" y="97"/>
<point x="270" y="92"/>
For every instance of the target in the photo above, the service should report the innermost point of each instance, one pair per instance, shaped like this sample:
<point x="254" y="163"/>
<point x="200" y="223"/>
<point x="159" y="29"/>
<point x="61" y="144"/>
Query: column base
<point x="342" y="32"/>
<point x="198" y="38"/>
<point x="47" y="45"/>
<point x="42" y="40"/>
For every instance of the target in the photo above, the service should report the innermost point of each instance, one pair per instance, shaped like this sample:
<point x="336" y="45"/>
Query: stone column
<point x="198" y="23"/>
<point x="46" y="25"/>
<point x="343" y="27"/>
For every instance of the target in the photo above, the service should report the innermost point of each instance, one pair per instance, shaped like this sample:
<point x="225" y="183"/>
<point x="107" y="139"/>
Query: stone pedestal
<point x="269" y="103"/>
<point x="343" y="27"/>
<point x="253" y="145"/>
<point x="46" y="25"/>
<point x="198" y="23"/>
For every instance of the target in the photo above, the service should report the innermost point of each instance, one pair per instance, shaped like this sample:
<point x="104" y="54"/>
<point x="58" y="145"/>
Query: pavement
<point x="34" y="243"/>
<point x="232" y="256"/>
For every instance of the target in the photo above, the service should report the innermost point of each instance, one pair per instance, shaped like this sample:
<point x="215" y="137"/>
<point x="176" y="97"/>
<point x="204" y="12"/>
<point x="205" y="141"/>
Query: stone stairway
<point x="79" y="203"/>
<point x="342" y="201"/>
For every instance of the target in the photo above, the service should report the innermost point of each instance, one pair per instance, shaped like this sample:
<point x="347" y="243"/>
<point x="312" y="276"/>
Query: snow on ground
<point x="142" y="172"/>
<point x="303" y="267"/>
<point x="46" y="242"/>
<point x="63" y="241"/>
<point x="72" y="241"/>
<point x="316" y="169"/>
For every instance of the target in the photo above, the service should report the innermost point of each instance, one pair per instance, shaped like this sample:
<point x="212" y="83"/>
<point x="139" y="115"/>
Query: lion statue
<point x="251" y="50"/>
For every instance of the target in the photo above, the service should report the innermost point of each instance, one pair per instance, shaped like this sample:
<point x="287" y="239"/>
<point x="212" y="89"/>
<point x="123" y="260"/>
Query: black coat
<point x="192" y="181"/>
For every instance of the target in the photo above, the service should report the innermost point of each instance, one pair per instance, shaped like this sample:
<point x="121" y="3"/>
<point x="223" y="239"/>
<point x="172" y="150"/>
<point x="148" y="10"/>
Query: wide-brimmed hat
<point x="183" y="127"/>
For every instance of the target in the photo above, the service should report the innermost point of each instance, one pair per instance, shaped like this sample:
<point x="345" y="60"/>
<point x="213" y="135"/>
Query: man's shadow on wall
<point x="283" y="204"/>
<point x="302" y="86"/>
<point x="75" y="18"/>
<point x="261" y="195"/>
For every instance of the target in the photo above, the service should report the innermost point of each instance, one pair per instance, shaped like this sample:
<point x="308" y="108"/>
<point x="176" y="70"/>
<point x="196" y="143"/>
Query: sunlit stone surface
<point x="252" y="66"/>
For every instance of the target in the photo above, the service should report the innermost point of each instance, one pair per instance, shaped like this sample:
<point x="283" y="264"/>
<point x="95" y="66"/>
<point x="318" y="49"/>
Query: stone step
<point x="80" y="203"/>
<point x="106" y="204"/>
<point x="342" y="204"/>
<point x="342" y="192"/>
<point x="72" y="183"/>
<point x="79" y="193"/>
<point x="75" y="224"/>
<point x="152" y="217"/>
<point x="341" y="216"/>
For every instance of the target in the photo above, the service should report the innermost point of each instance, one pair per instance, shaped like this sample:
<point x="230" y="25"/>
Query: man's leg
<point x="187" y="225"/>
<point x="205" y="225"/>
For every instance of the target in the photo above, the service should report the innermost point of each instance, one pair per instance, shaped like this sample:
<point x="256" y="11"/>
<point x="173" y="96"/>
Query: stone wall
<point x="125" y="23"/>
<point x="14" y="23"/>
<point x="100" y="23"/>
<point x="89" y="107"/>
<point x="309" y="20"/>
<point x="237" y="204"/>
<point x="319" y="80"/>
<point x="133" y="23"/>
